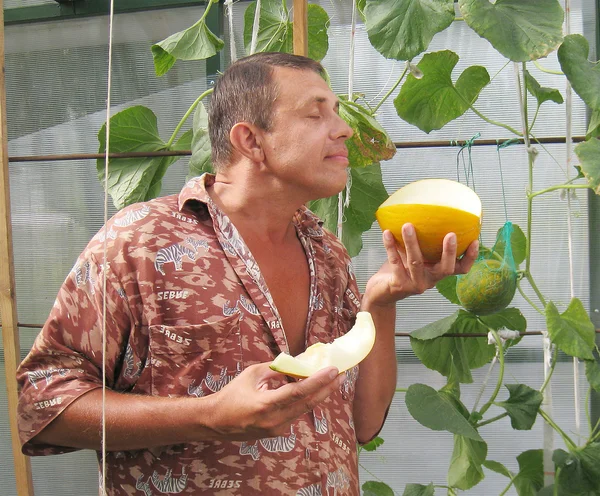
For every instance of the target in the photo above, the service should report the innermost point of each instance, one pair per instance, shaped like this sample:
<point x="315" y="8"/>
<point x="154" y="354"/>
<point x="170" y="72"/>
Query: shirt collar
<point x="195" y="190"/>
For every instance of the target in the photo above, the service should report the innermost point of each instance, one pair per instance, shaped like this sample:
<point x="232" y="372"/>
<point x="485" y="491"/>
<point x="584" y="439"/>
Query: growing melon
<point x="344" y="352"/>
<point x="435" y="207"/>
<point x="487" y="288"/>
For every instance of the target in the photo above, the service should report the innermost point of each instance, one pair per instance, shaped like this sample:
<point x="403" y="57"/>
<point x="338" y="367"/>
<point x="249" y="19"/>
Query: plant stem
<point x="187" y="114"/>
<point x="533" y="285"/>
<point x="401" y="390"/>
<point x="537" y="111"/>
<point x="512" y="480"/>
<point x="493" y="419"/>
<point x="551" y="371"/>
<point x="587" y="410"/>
<point x="387" y="95"/>
<point x="568" y="441"/>
<point x="548" y="71"/>
<point x="495" y="123"/>
<point x="485" y="381"/>
<point x="500" y="354"/>
<point x="528" y="300"/>
<point x="567" y="185"/>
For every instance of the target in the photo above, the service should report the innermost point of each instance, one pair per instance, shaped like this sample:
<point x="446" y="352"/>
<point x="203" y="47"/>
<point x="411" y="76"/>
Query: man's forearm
<point x="132" y="422"/>
<point x="377" y="377"/>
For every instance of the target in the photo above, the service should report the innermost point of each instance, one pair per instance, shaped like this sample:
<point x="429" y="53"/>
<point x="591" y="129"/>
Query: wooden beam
<point x="8" y="303"/>
<point x="301" y="27"/>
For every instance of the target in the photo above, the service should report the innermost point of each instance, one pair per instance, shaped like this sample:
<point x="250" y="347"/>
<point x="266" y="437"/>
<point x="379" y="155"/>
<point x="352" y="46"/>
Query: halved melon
<point x="344" y="352"/>
<point x="435" y="207"/>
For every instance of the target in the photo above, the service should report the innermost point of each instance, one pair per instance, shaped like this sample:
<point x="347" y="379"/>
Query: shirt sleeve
<point x="66" y="359"/>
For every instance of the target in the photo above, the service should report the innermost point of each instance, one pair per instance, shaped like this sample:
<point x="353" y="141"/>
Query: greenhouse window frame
<point x="85" y="8"/>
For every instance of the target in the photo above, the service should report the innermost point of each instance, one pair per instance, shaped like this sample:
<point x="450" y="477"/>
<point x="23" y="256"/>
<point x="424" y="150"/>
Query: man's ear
<point x="245" y="139"/>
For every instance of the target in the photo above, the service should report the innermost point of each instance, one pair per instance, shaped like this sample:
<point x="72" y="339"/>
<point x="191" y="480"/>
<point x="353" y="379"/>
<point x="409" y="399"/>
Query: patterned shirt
<point x="187" y="311"/>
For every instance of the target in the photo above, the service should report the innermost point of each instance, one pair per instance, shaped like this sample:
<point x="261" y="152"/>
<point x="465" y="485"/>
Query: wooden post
<point x="8" y="303"/>
<point x="301" y="27"/>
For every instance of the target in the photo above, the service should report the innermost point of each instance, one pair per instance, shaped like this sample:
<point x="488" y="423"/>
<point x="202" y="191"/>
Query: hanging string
<point x="255" y="26"/>
<point x="229" y="13"/>
<point x="344" y="196"/>
<point x="105" y="266"/>
<point x="569" y="151"/>
<point x="468" y="169"/>
<point x="499" y="146"/>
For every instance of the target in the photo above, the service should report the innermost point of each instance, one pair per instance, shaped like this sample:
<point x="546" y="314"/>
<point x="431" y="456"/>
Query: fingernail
<point x="409" y="230"/>
<point x="333" y="374"/>
<point x="453" y="240"/>
<point x="476" y="249"/>
<point x="388" y="235"/>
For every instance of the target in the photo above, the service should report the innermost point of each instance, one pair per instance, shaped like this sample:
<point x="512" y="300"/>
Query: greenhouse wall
<point x="56" y="80"/>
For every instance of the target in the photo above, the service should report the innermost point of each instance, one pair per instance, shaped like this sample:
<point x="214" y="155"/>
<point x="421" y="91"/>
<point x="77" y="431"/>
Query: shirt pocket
<point x="194" y="360"/>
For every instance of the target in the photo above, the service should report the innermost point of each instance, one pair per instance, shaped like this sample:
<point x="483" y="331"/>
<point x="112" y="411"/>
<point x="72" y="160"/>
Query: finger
<point x="395" y="255"/>
<point x="466" y="262"/>
<point x="310" y="402"/>
<point x="447" y="263"/>
<point x="322" y="382"/>
<point x="414" y="257"/>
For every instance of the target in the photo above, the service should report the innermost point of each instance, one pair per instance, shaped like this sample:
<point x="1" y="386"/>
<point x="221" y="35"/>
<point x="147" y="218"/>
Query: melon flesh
<point x="344" y="352"/>
<point x="435" y="207"/>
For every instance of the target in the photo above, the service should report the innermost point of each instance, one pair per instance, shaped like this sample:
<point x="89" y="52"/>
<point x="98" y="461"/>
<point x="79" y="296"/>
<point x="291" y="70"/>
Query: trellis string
<point x="105" y="266"/>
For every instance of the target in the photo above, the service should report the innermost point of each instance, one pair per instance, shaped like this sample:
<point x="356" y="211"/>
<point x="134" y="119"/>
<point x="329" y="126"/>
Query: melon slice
<point x="344" y="352"/>
<point x="435" y="207"/>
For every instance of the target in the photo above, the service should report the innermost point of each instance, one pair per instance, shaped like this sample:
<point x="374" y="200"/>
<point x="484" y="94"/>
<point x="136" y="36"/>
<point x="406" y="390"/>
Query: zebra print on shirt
<point x="250" y="449"/>
<point x="279" y="444"/>
<point x="169" y="484"/>
<point x="312" y="490"/>
<point x="173" y="254"/>
<point x="132" y="216"/>
<point x="47" y="374"/>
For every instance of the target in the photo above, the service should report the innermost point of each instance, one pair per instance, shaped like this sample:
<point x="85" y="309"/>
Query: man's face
<point x="305" y="147"/>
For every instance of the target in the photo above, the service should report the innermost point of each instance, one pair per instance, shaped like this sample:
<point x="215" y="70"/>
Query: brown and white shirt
<point x="187" y="311"/>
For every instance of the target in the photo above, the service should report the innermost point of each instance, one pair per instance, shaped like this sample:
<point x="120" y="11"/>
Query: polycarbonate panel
<point x="56" y="96"/>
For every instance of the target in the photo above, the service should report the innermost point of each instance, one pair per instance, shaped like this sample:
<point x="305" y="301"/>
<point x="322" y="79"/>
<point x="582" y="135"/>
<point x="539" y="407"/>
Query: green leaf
<point x="463" y="354"/>
<point x="432" y="101"/>
<point x="520" y="31"/>
<point x="447" y="288"/>
<point x="132" y="180"/>
<point x="583" y="75"/>
<point x="366" y="194"/>
<point x="522" y="405"/>
<point x="579" y="470"/>
<point x="592" y="372"/>
<point x="419" y="490"/>
<point x="588" y="153"/>
<point x="542" y="94"/>
<point x="572" y="331"/>
<point x="195" y="43"/>
<point x="369" y="143"/>
<point x="498" y="468"/>
<point x="435" y="329"/>
<point x="509" y="318"/>
<point x="373" y="444"/>
<point x="530" y="478"/>
<point x="376" y="488"/>
<point x="466" y="464"/>
<point x="326" y="210"/>
<point x="436" y="411"/>
<point x="396" y="38"/>
<point x="518" y="244"/>
<point x="201" y="160"/>
<point x="593" y="130"/>
<point x="275" y="29"/>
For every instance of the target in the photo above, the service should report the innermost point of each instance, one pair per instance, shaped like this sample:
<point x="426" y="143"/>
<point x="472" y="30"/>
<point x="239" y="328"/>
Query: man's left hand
<point x="406" y="272"/>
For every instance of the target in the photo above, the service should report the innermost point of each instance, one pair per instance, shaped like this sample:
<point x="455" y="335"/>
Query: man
<point x="203" y="290"/>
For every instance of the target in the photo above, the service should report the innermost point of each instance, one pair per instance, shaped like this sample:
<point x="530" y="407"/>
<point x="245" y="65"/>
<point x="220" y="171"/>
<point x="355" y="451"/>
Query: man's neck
<point x="261" y="210"/>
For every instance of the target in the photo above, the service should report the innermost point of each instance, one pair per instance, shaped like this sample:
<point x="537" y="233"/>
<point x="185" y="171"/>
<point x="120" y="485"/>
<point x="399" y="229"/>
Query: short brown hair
<point x="245" y="92"/>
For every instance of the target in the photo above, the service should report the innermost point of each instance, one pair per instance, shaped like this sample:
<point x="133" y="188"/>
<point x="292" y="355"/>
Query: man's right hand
<point x="249" y="408"/>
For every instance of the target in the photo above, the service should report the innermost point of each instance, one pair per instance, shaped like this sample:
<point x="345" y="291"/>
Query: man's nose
<point x="342" y="129"/>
